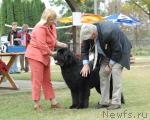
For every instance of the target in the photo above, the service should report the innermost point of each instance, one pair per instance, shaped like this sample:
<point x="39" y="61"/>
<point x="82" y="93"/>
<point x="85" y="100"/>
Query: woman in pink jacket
<point x="43" y="41"/>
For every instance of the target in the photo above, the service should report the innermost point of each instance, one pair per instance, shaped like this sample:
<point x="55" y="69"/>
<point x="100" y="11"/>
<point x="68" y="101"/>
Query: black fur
<point x="78" y="85"/>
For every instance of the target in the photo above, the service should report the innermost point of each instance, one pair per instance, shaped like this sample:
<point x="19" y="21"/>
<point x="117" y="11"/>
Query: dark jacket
<point x="15" y="35"/>
<point x="113" y="42"/>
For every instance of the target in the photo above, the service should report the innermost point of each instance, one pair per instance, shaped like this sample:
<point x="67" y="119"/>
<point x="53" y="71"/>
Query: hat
<point x="87" y="31"/>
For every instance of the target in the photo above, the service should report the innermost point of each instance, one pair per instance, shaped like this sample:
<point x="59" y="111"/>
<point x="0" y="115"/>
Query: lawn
<point x="55" y="74"/>
<point x="136" y="89"/>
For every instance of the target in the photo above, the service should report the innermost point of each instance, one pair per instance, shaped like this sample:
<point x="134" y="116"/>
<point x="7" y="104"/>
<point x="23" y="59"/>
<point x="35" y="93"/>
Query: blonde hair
<point x="25" y="26"/>
<point x="14" y="23"/>
<point x="47" y="13"/>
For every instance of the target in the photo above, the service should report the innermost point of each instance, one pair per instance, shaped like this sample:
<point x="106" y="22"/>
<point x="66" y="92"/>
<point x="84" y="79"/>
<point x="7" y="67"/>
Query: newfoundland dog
<point x="79" y="86"/>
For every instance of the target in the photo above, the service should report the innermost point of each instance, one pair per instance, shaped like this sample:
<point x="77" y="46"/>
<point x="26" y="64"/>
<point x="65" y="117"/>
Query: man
<point x="112" y="52"/>
<point x="14" y="41"/>
<point x="13" y="34"/>
<point x="24" y="41"/>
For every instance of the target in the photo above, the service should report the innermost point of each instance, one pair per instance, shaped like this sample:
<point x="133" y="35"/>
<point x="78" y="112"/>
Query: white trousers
<point x="105" y="83"/>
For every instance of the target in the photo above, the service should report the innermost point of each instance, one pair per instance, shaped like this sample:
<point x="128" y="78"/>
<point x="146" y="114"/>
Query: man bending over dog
<point x="112" y="51"/>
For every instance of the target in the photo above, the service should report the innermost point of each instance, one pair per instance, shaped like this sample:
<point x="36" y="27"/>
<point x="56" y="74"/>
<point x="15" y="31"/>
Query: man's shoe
<point x="99" y="106"/>
<point x="17" y="72"/>
<point x="11" y="72"/>
<point x="113" y="106"/>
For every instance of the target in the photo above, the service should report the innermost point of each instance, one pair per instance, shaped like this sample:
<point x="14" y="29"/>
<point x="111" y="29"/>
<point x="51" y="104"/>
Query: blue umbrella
<point x="123" y="19"/>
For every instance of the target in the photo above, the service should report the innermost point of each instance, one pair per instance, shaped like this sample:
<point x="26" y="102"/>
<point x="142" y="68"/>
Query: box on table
<point x="11" y="49"/>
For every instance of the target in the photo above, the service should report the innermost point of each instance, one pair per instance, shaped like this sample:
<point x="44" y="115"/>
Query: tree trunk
<point x="76" y="35"/>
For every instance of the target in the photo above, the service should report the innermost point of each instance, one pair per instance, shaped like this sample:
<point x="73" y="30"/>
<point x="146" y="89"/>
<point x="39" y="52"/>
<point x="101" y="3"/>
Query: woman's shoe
<point x="38" y="107"/>
<point x="57" y="106"/>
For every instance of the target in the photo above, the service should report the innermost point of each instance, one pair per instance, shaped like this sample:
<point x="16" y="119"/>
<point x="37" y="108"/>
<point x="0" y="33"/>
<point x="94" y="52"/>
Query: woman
<point x="43" y="41"/>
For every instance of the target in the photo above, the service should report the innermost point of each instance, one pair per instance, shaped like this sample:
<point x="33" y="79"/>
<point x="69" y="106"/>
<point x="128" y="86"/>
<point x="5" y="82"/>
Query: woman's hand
<point x="52" y="53"/>
<point x="61" y="44"/>
<point x="85" y="70"/>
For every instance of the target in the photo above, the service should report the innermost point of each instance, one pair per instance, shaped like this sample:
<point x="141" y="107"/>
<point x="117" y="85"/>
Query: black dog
<point x="79" y="86"/>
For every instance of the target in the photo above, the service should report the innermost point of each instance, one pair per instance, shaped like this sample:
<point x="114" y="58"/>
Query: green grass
<point x="55" y="74"/>
<point x="136" y="87"/>
<point x="21" y="76"/>
<point x="141" y="51"/>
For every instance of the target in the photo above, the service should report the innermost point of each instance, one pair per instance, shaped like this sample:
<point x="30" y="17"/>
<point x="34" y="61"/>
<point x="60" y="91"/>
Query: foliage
<point x="133" y="11"/>
<point x="36" y="9"/>
<point x="66" y="11"/>
<point x="87" y="7"/>
<point x="144" y="5"/>
<point x="63" y="35"/>
<point x="21" y="11"/>
<point x="3" y="11"/>
<point x="65" y="8"/>
<point x="26" y="11"/>
<point x="18" y="12"/>
<point x="1" y="23"/>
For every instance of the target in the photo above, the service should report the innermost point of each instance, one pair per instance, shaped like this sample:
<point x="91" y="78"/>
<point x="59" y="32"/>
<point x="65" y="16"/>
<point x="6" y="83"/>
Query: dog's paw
<point x="73" y="107"/>
<point x="82" y="107"/>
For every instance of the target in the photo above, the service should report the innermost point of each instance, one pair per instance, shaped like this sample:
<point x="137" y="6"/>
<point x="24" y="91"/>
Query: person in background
<point x="24" y="41"/>
<point x="112" y="53"/>
<point x="13" y="39"/>
<point x="39" y="51"/>
<point x="3" y="66"/>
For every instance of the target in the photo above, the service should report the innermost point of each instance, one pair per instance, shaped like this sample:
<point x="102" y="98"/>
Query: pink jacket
<point x="43" y="41"/>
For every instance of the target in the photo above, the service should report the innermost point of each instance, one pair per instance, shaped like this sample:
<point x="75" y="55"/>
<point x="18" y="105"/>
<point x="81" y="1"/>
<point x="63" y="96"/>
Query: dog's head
<point x="64" y="57"/>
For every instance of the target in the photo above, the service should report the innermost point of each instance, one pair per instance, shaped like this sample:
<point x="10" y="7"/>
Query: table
<point x="6" y="73"/>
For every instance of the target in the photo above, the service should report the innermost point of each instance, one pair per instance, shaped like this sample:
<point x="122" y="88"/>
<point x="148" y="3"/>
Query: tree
<point x="87" y="7"/>
<point x="1" y="24"/>
<point x="144" y="5"/>
<point x="114" y="7"/>
<point x="21" y="11"/>
<point x="10" y="14"/>
<point x="36" y="8"/>
<point x="3" y="15"/>
<point x="74" y="6"/>
<point x="18" y="12"/>
<point x="26" y="11"/>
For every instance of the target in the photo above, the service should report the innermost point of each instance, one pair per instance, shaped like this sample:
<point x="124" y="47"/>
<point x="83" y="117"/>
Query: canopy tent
<point x="86" y="18"/>
<point x="122" y="19"/>
<point x="126" y="21"/>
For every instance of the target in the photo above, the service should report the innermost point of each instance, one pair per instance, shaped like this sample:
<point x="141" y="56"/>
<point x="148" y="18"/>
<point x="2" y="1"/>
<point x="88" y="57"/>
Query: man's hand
<point x="85" y="70"/>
